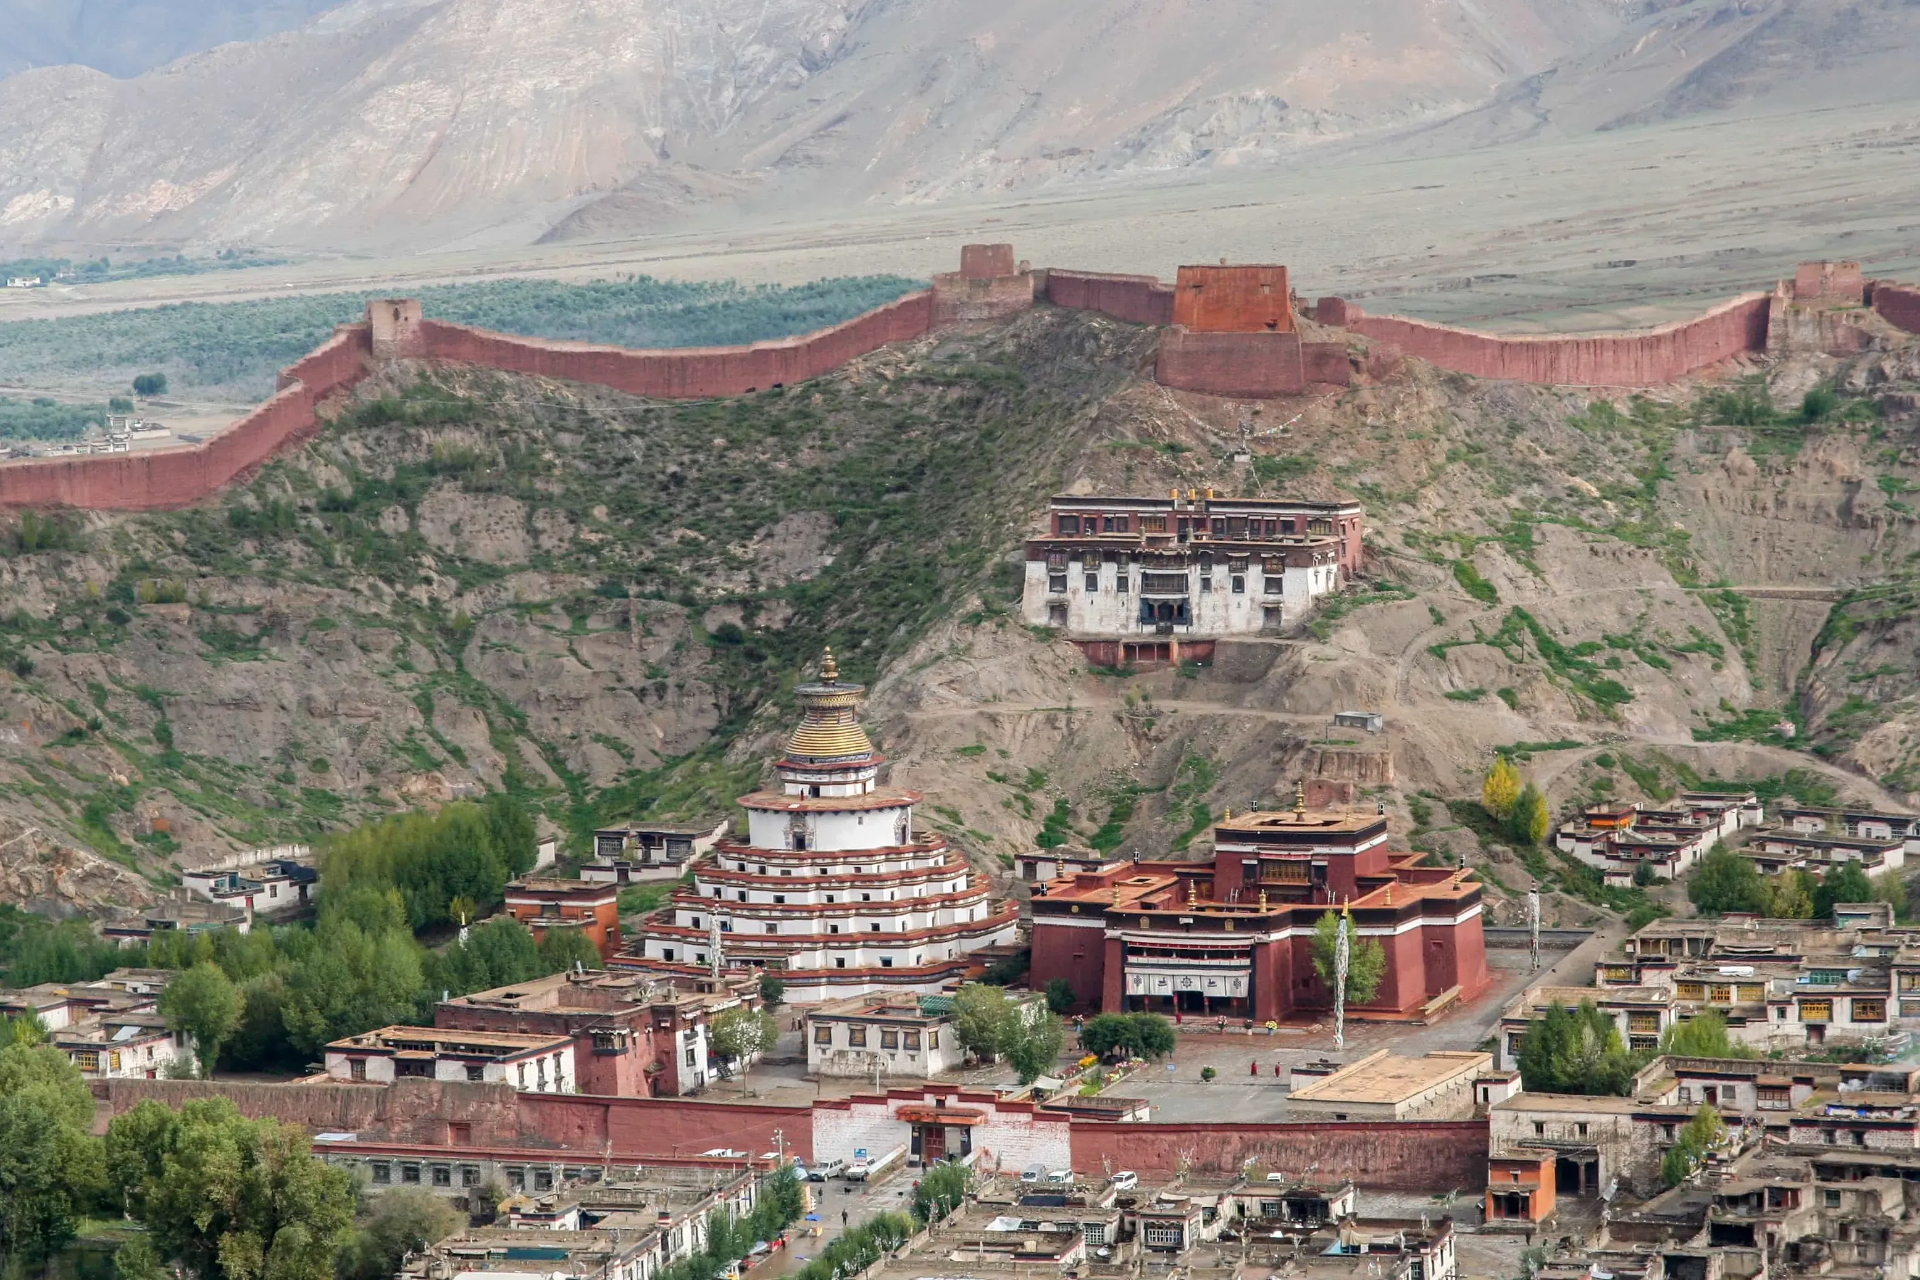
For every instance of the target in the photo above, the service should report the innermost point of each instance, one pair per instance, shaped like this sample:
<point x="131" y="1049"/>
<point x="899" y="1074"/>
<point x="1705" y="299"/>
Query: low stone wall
<point x="1407" y="1155"/>
<point x="1628" y="359"/>
<point x="433" y="1112"/>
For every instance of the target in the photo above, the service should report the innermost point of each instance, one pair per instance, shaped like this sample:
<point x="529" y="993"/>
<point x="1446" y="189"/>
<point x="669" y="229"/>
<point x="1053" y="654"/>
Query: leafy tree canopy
<point x="1131" y="1035"/>
<point x="1366" y="958"/>
<point x="1725" y="881"/>
<point x="1575" y="1051"/>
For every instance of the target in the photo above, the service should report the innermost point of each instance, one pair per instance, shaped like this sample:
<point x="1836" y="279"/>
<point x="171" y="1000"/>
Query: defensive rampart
<point x="1633" y="359"/>
<point x="1404" y="1155"/>
<point x="685" y="373"/>
<point x="1898" y="305"/>
<point x="1134" y="299"/>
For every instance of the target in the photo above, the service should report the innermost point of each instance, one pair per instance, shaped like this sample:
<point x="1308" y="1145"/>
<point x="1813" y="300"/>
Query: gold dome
<point x="829" y="727"/>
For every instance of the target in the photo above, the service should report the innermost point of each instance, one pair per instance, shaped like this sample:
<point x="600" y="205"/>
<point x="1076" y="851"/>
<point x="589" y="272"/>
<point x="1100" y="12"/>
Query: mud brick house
<point x="1233" y="937"/>
<point x="833" y="887"/>
<point x="634" y="1035"/>
<point x="538" y="1062"/>
<point x="1134" y="580"/>
<point x="544" y="904"/>
<point x="642" y="851"/>
<point x="1667" y="839"/>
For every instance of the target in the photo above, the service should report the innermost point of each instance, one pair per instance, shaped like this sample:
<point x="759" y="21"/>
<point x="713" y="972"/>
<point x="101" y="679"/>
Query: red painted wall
<point x="1416" y="1155"/>
<point x="1898" y="305"/>
<point x="985" y="261"/>
<point x="1075" y="953"/>
<point x="160" y="478"/>
<point x="686" y="373"/>
<point x="1248" y="299"/>
<point x="1607" y="359"/>
<point x="655" y="1127"/>
<point x="1252" y="365"/>
<point x="1134" y="299"/>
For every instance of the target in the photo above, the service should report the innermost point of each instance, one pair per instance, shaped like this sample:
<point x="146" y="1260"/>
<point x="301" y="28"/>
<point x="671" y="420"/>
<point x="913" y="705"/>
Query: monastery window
<point x="889" y="1039"/>
<point x="1153" y="524"/>
<point x="382" y="1173"/>
<point x="469" y="1175"/>
<point x="476" y="1072"/>
<point x="442" y="1176"/>
<point x="1070" y="524"/>
<point x="933" y="1039"/>
<point x="1122" y="580"/>
<point x="873" y="928"/>
<point x="412" y="1067"/>
<point x="786" y="871"/>
<point x="742" y="894"/>
<point x="1286" y="526"/>
<point x="1720" y="993"/>
<point x="1093" y="582"/>
<point x="1869" y="1010"/>
<point x="823" y="1034"/>
<point x="1239" y="585"/>
<point x="666" y="953"/>
<point x="357" y="1069"/>
<point x="1206" y="582"/>
<point x="839" y="962"/>
<point x="911" y="1040"/>
<point x="831" y="898"/>
<point x="857" y="1037"/>
<point x="832" y="928"/>
<point x="1220" y="526"/>
<point x="773" y="928"/>
<point x="410" y="1173"/>
<point x="1816" y="1010"/>
<point x="1237" y="526"/>
<point x="866" y="897"/>
<point x="1752" y="994"/>
<point x="1910" y="981"/>
<point x="690" y="1057"/>
<point x="1691" y="991"/>
<point x="779" y="897"/>
<point x="1057" y="584"/>
<point x="886" y="962"/>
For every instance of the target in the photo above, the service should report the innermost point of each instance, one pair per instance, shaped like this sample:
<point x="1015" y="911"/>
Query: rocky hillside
<point x="472" y="580"/>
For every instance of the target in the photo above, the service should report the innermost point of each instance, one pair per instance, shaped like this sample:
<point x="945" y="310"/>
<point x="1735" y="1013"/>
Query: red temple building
<point x="1234" y="937"/>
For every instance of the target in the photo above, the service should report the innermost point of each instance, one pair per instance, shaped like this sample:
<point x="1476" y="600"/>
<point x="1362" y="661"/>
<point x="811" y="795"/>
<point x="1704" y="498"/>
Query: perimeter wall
<point x="1407" y="1154"/>
<point x="1898" y="305"/>
<point x="1633" y="359"/>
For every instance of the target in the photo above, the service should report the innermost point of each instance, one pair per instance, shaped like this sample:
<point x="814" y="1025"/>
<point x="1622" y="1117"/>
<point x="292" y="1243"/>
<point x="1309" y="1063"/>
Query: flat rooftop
<point x="1383" y="1077"/>
<point x="436" y="1040"/>
<point x="1327" y="821"/>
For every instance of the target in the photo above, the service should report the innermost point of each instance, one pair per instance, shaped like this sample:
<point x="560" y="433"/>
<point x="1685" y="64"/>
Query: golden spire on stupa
<point x="829" y="729"/>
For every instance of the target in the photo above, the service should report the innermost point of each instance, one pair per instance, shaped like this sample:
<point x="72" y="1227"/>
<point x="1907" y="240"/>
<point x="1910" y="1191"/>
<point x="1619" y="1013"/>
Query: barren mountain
<point x="431" y="122"/>
<point x="126" y="37"/>
<point x="474" y="579"/>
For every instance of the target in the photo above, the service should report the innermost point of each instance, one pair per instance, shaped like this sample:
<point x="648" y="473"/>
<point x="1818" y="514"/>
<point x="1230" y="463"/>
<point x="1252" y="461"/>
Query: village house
<point x="545" y="904"/>
<point x="1156" y="580"/>
<point x="183" y="913"/>
<point x="882" y="1035"/>
<point x="1232" y="937"/>
<point x="1666" y="839"/>
<point x="1642" y="1014"/>
<point x="265" y="888"/>
<point x="639" y="852"/>
<point x="536" y="1063"/>
<point x="833" y="888"/>
<point x="1383" y="1086"/>
<point x="634" y="1035"/>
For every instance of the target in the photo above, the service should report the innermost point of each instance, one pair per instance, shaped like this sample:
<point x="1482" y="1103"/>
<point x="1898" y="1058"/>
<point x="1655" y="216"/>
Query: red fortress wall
<point x="1400" y="1155"/>
<point x="1134" y="299"/>
<point x="1636" y="359"/>
<point x="1898" y="305"/>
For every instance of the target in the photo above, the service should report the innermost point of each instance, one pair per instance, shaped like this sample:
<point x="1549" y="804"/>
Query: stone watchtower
<point x="989" y="286"/>
<point x="395" y="327"/>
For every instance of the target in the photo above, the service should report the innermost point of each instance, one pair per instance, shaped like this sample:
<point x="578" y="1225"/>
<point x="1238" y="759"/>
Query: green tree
<point x="773" y="991"/>
<point x="136" y="1260"/>
<point x="1034" y="1049"/>
<point x="561" y="949"/>
<point x="1703" y="1036"/>
<point x="1845" y="883"/>
<point x="1725" y="881"/>
<point x="1889" y="888"/>
<point x="1696" y="1138"/>
<point x="941" y="1190"/>
<point x="1790" y="895"/>
<point x="1575" y="1051"/>
<point x="1530" y="819"/>
<point x="403" y="1220"/>
<point x="1134" y="1035"/>
<point x="1366" y="958"/>
<point x="1059" y="995"/>
<point x="150" y="384"/>
<point x="230" y="1198"/>
<point x="348" y="981"/>
<point x="50" y="1162"/>
<point x="203" y="1005"/>
<point x="742" y="1033"/>
<point x="984" y="1019"/>
<point x="1500" y="789"/>
<point x="1643" y="874"/>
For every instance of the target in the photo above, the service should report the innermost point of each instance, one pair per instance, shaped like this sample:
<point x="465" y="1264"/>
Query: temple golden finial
<point x="1193" y="892"/>
<point x="1263" y="899"/>
<point x="829" y="670"/>
<point x="1299" y="800"/>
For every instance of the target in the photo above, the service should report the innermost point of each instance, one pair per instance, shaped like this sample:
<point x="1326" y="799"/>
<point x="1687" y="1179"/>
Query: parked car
<point x="1125" y="1180"/>
<point x="1061" y="1177"/>
<point x="1034" y="1173"/>
<point x="826" y="1169"/>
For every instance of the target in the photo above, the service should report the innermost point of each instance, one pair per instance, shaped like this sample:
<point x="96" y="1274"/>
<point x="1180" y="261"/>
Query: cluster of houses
<point x="1664" y="841"/>
<point x="110" y="1029"/>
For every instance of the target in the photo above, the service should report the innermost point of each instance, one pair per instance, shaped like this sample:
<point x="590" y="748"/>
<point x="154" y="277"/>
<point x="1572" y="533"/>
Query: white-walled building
<point x="885" y="1034"/>
<point x="940" y="1121"/>
<point x="1113" y="572"/>
<point x="535" y="1063"/>
<point x="833" y="887"/>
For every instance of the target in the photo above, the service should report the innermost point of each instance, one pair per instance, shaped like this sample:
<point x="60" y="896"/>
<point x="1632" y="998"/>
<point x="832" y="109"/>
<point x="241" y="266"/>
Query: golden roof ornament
<point x="1193" y="892"/>
<point x="829" y="669"/>
<point x="1299" y="800"/>
<point x="1263" y="899"/>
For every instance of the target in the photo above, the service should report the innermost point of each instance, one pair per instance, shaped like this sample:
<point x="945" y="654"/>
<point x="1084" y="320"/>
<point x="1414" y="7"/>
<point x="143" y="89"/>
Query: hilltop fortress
<point x="1227" y="330"/>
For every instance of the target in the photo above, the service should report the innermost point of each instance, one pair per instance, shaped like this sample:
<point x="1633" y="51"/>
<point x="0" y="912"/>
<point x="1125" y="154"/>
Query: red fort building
<point x="1234" y="937"/>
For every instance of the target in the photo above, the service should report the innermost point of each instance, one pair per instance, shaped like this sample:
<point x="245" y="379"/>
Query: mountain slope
<point x="434" y="122"/>
<point x="126" y="37"/>
<point x="477" y="580"/>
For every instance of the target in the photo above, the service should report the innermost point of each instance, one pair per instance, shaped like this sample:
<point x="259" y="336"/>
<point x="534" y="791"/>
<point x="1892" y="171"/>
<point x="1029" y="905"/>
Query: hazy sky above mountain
<point x="126" y="37"/>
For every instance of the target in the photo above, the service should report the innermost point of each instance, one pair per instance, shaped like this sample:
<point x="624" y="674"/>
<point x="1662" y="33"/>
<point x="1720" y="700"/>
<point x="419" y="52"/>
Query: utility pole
<point x="780" y="1144"/>
<point x="1533" y="923"/>
<point x="1340" y="961"/>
